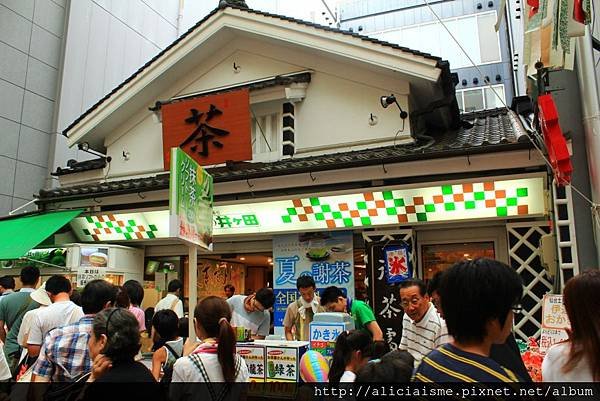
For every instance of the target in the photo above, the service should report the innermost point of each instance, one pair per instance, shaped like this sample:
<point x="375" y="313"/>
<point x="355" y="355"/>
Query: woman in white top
<point x="352" y="351"/>
<point x="213" y="361"/>
<point x="578" y="359"/>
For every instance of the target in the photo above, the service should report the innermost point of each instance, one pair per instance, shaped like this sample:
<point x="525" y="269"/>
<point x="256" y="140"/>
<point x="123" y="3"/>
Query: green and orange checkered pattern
<point x="446" y="199"/>
<point x="111" y="225"/>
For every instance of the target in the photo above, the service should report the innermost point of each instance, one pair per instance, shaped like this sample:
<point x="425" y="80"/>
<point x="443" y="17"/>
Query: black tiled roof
<point x="482" y="132"/>
<point x="442" y="64"/>
<point x="78" y="167"/>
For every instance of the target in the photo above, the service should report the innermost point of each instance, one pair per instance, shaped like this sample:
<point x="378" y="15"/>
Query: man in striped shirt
<point x="478" y="299"/>
<point x="423" y="330"/>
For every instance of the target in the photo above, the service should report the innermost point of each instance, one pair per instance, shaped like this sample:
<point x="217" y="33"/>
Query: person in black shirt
<point x="113" y="345"/>
<point x="507" y="354"/>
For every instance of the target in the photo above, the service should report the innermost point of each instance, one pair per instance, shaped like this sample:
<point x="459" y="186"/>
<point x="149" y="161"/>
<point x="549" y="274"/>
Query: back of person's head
<point x="76" y="297"/>
<point x="135" y="291"/>
<point x="393" y="367"/>
<point x="582" y="303"/>
<point x="148" y="315"/>
<point x="97" y="295"/>
<point x="331" y="294"/>
<point x="305" y="282"/>
<point x="122" y="299"/>
<point x="415" y="282"/>
<point x="166" y="324"/>
<point x="380" y="348"/>
<point x="346" y="345"/>
<point x="476" y="292"/>
<point x="7" y="282"/>
<point x="266" y="297"/>
<point x="57" y="284"/>
<point x="213" y="314"/>
<point x="174" y="285"/>
<point x="229" y="287"/>
<point x="122" y="331"/>
<point x="30" y="275"/>
<point x="183" y="327"/>
<point x="434" y="283"/>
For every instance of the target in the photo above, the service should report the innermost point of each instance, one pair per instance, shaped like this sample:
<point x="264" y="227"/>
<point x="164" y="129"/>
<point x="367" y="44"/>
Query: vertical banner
<point x="190" y="201"/>
<point x="327" y="257"/>
<point x="389" y="262"/>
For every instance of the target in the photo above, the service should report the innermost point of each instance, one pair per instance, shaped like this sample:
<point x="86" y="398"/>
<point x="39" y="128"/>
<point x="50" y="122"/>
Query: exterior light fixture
<point x="475" y="81"/>
<point x="498" y="78"/>
<point x="464" y="82"/>
<point x="85" y="146"/>
<point x="391" y="99"/>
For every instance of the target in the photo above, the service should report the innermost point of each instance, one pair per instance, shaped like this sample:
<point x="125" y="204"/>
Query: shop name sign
<point x="210" y="129"/>
<point x="502" y="199"/>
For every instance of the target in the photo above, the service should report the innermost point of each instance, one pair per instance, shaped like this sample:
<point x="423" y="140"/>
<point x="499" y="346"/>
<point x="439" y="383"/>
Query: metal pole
<point x="193" y="287"/>
<point x="591" y="119"/>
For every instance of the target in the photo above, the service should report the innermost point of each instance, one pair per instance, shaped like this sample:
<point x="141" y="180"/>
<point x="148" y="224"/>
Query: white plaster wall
<point x="333" y="117"/>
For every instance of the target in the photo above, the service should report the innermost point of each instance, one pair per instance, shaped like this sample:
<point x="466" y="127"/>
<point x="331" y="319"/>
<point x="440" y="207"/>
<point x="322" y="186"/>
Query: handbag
<point x="67" y="391"/>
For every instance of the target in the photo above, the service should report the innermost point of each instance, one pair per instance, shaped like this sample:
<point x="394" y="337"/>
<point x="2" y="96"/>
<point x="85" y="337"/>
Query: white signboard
<point x="502" y="199"/>
<point x="254" y="356"/>
<point x="323" y="337"/>
<point x="86" y="274"/>
<point x="282" y="364"/>
<point x="554" y="322"/>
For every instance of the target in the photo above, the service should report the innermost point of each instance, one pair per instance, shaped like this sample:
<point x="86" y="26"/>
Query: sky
<point x="309" y="10"/>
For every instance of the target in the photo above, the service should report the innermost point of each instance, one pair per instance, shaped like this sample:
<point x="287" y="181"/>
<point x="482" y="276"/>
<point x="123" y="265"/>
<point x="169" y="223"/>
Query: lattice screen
<point x="524" y="255"/>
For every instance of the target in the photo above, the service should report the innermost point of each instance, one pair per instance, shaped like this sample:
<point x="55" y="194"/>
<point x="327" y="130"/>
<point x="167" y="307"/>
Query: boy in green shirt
<point x="333" y="300"/>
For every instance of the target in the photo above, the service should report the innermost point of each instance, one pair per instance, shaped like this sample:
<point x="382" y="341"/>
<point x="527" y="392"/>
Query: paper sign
<point x="282" y="364"/>
<point x="87" y="274"/>
<point x="554" y="315"/>
<point x="323" y="337"/>
<point x="549" y="337"/>
<point x="255" y="360"/>
<point x="554" y="322"/>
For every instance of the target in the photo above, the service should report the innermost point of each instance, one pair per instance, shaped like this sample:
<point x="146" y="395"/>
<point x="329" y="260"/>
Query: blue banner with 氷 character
<point x="327" y="257"/>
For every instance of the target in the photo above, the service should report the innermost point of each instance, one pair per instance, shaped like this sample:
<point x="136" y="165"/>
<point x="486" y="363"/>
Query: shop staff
<point x="333" y="300"/>
<point x="172" y="300"/>
<point x="300" y="313"/>
<point x="252" y="312"/>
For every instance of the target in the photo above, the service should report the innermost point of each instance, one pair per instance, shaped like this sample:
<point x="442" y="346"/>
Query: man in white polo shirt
<point x="423" y="330"/>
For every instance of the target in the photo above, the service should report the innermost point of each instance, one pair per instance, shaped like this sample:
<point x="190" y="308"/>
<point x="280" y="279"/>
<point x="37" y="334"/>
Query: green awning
<point x="20" y="234"/>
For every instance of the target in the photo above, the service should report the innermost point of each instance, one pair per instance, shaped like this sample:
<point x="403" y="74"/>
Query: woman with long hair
<point x="578" y="358"/>
<point x="352" y="351"/>
<point x="214" y="360"/>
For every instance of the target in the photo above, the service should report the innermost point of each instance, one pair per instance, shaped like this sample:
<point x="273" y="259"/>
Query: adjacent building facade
<point x="412" y="24"/>
<point x="58" y="58"/>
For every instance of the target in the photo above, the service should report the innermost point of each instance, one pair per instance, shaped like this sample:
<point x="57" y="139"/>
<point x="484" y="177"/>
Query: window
<point x="266" y="131"/>
<point x="475" y="33"/>
<point x="480" y="98"/>
<point x="438" y="257"/>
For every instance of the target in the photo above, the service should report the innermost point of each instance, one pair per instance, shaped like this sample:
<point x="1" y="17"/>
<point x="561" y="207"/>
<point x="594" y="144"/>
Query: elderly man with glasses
<point x="423" y="329"/>
<point x="251" y="312"/>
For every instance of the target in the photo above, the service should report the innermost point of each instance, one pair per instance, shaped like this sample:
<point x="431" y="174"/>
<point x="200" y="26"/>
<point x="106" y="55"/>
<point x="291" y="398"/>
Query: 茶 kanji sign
<point x="211" y="129"/>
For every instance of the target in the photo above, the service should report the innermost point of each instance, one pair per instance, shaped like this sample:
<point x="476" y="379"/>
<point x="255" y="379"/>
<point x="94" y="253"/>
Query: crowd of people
<point x="456" y="329"/>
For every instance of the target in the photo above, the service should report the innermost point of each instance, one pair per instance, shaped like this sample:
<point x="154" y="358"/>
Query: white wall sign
<point x="500" y="199"/>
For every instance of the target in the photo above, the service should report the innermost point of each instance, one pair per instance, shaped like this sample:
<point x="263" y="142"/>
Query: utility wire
<point x="595" y="207"/>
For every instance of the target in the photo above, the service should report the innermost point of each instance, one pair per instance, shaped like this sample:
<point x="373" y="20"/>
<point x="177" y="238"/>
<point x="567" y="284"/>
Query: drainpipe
<point x="591" y="121"/>
<point x="180" y="18"/>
